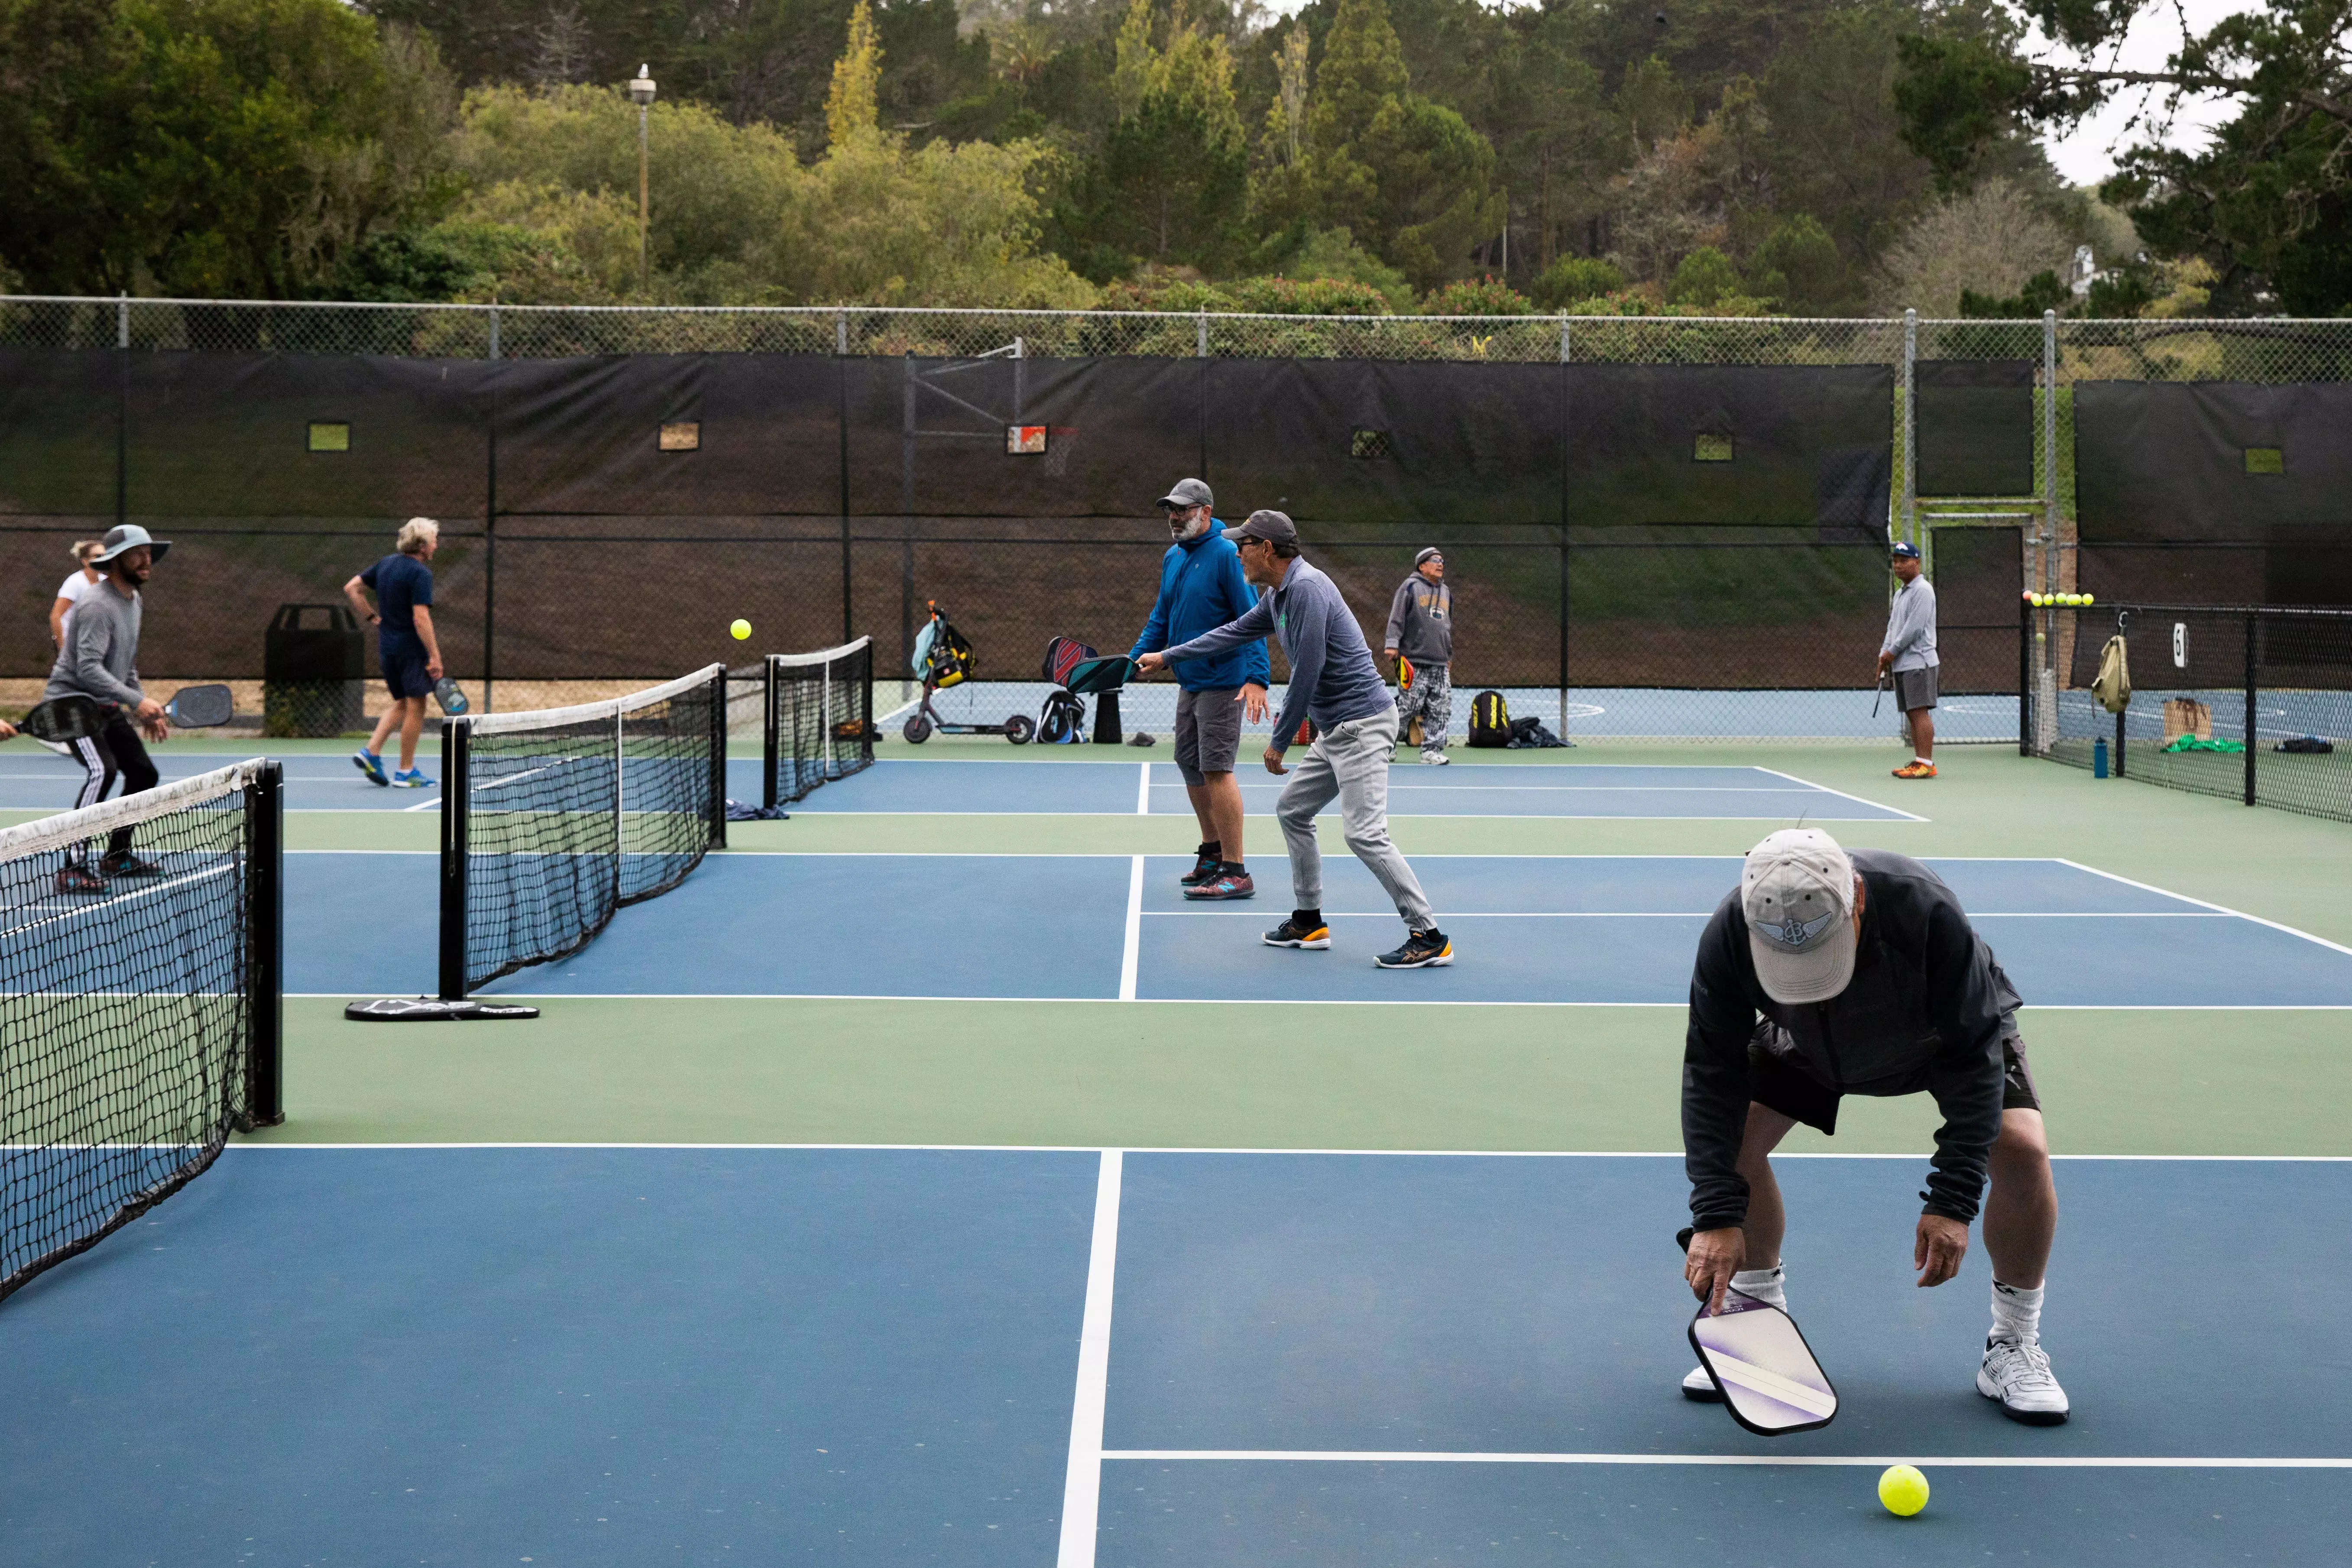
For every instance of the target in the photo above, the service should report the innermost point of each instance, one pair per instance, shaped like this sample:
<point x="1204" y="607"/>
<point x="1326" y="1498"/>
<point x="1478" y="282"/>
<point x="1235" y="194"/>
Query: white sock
<point x="1766" y="1285"/>
<point x="2016" y="1314"/>
<point x="1921" y="760"/>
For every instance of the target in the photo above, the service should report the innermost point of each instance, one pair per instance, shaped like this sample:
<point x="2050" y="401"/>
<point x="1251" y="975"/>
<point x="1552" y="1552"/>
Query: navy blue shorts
<point x="404" y="672"/>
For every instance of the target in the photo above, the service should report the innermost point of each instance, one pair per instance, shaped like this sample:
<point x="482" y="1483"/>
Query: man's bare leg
<point x="412" y="724"/>
<point x="2020" y="1212"/>
<point x="385" y="725"/>
<point x="1225" y="812"/>
<point x="1768" y="1218"/>
<point x="1923" y="733"/>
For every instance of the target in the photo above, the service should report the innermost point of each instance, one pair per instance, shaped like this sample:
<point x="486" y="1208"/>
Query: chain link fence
<point x="1655" y="527"/>
<point x="2248" y="704"/>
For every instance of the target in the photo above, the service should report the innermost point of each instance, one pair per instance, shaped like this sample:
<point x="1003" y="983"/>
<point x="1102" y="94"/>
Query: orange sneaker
<point x="1916" y="769"/>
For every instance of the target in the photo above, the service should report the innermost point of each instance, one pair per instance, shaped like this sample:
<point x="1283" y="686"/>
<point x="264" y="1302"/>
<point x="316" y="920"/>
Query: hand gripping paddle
<point x="1760" y="1363"/>
<point x="68" y="718"/>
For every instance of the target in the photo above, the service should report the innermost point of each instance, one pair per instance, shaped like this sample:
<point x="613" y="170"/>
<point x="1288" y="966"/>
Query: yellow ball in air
<point x="740" y="630"/>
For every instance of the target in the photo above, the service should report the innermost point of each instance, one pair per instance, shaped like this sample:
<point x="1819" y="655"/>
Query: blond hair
<point x="83" y="549"/>
<point x="414" y="532"/>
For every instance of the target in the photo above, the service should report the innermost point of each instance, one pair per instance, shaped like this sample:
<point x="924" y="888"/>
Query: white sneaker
<point x="2019" y="1376"/>
<point x="1436" y="759"/>
<point x="1698" y="1385"/>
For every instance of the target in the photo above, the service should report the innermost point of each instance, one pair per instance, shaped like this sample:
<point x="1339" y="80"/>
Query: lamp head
<point x="641" y="89"/>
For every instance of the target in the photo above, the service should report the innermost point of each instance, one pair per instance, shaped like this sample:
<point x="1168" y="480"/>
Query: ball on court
<point x="1903" y="1490"/>
<point x="740" y="630"/>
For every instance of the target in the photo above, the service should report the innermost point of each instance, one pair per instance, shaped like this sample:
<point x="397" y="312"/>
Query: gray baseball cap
<point x="130" y="536"/>
<point x="1275" y="526"/>
<point x="1188" y="493"/>
<point x="1797" y="891"/>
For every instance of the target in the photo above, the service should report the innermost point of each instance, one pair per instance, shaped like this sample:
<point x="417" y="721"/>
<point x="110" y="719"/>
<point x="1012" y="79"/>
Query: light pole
<point x="641" y="93"/>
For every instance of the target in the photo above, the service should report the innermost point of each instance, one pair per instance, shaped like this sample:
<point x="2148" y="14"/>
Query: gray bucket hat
<point x="130" y="536"/>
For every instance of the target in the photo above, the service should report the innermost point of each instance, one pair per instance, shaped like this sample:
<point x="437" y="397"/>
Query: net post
<point x="2025" y="682"/>
<point x="718" y="763"/>
<point x="2254" y="744"/>
<point x="1107" y="720"/>
<point x="265" y="1076"/>
<point x="455" y="786"/>
<point x="771" y="743"/>
<point x="2119" y="745"/>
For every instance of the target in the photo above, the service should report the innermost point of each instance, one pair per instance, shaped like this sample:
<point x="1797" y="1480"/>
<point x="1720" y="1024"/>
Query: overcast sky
<point x="2087" y="155"/>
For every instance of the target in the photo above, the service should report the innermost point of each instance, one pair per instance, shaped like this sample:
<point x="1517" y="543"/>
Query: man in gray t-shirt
<point x="1909" y="653"/>
<point x="100" y="662"/>
<point x="1334" y="681"/>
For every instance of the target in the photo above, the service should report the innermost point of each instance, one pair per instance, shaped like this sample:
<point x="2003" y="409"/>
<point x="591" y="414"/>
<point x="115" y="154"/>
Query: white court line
<point x="1082" y="1488"/>
<point x="1841" y="794"/>
<point x="1894" y="816"/>
<point x="1131" y="950"/>
<point x="1706" y="914"/>
<point x="1969" y="1461"/>
<point x="1677" y="1004"/>
<point x="1675" y="1154"/>
<point x="1143" y="789"/>
<point x="2222" y="908"/>
<point x="432" y="804"/>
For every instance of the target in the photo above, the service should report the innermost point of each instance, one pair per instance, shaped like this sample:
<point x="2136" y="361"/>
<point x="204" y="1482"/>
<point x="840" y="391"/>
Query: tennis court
<point x="921" y="1180"/>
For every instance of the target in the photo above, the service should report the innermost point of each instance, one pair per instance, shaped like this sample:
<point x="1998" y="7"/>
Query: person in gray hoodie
<point x="1421" y="633"/>
<point x="1333" y="681"/>
<point x="99" y="661"/>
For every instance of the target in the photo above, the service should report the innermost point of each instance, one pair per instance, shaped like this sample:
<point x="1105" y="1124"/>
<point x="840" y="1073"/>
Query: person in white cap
<point x="1420" y="633"/>
<point x="99" y="660"/>
<point x="1869" y="980"/>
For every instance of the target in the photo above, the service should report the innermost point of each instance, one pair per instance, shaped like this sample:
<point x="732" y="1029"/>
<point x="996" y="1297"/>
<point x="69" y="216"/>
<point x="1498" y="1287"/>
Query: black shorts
<point x="1778" y="1080"/>
<point x="404" y="672"/>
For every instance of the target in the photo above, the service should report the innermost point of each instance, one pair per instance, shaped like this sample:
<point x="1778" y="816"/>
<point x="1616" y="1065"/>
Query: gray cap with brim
<point x="1275" y="526"/>
<point x="1188" y="493"/>
<point x="129" y="536"/>
<point x="1797" y="891"/>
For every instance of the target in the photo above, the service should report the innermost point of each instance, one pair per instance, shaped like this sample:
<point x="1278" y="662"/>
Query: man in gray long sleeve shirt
<point x="1334" y="681"/>
<point x="100" y="662"/>
<point x="1870" y="980"/>
<point x="1909" y="653"/>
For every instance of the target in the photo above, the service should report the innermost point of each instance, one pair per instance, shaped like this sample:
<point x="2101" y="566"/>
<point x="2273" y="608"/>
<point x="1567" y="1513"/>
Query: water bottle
<point x="2099" y="759"/>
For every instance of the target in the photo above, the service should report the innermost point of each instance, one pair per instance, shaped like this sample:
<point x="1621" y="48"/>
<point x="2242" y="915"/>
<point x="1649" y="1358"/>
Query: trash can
<point x="313" y="671"/>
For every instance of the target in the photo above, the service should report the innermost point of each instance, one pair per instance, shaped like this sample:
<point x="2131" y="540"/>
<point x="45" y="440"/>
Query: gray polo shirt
<point x="1332" y="676"/>
<point x="100" y="656"/>
<point x="1911" y="626"/>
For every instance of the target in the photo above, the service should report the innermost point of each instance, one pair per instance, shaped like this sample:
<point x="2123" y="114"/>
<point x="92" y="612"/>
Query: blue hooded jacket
<point x="1201" y="588"/>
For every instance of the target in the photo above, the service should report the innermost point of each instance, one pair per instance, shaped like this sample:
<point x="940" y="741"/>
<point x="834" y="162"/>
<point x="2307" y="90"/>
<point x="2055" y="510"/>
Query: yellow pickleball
<point x="1903" y="1490"/>
<point x="740" y="630"/>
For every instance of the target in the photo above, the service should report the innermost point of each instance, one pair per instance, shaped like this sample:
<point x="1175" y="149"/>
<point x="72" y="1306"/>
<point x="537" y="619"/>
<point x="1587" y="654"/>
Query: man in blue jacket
<point x="1200" y="588"/>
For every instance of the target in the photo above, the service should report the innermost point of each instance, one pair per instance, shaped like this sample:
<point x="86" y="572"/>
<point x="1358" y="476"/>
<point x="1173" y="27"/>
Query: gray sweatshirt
<point x="1911" y="626"/>
<point x="1420" y="621"/>
<point x="1332" y="676"/>
<point x="100" y="658"/>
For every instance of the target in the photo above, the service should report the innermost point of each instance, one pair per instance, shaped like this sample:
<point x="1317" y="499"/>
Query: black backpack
<point x="1063" y="721"/>
<point x="1490" y="721"/>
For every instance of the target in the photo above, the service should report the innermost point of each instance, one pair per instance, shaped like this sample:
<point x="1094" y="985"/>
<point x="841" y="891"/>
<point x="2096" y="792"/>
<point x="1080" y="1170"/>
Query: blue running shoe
<point x="368" y="763"/>
<point x="412" y="779"/>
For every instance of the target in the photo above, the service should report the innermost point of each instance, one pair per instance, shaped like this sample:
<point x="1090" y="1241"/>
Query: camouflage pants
<point x="1430" y="698"/>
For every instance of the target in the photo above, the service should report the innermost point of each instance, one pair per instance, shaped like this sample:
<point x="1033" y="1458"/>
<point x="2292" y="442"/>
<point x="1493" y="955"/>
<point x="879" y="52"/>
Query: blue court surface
<point x="599" y="1356"/>
<point x="1564" y="928"/>
<point x="1465" y="789"/>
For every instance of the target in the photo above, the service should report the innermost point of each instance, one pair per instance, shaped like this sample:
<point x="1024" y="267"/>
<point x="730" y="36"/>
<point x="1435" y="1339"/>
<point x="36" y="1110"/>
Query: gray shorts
<point x="1914" y="689"/>
<point x="1208" y="732"/>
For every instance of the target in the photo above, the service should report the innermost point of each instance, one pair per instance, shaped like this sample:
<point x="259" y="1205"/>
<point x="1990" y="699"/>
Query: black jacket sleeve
<point x="1715" y="1071"/>
<point x="1964" y="1003"/>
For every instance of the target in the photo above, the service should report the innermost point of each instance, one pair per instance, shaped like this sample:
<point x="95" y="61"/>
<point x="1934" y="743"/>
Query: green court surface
<point x="2182" y="1080"/>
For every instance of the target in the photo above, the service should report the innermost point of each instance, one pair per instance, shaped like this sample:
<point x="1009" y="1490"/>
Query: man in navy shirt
<point x="405" y="646"/>
<point x="1202" y="587"/>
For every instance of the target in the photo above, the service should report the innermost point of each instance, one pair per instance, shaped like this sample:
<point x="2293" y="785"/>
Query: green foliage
<point x="1705" y="276"/>
<point x="1798" y="264"/>
<point x="1316" y="297"/>
<point x="1303" y="250"/>
<point x="1573" y="278"/>
<point x="1955" y="95"/>
<point x="1478" y="297"/>
<point x="2042" y="292"/>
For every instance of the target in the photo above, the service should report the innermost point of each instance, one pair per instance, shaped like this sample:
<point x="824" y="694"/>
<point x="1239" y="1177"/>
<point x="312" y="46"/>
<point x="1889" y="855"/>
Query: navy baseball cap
<point x="1905" y="552"/>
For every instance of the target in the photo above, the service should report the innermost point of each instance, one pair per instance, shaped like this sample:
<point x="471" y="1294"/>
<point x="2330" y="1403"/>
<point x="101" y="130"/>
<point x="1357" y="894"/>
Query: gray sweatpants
<point x="1349" y="761"/>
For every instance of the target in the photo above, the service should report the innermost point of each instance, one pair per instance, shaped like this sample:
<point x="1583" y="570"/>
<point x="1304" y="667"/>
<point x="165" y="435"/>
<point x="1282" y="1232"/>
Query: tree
<point x="1176" y="163"/>
<point x="233" y="148"/>
<point x="2268" y="202"/>
<point x="1799" y="267"/>
<point x="854" y="107"/>
<point x="1989" y="242"/>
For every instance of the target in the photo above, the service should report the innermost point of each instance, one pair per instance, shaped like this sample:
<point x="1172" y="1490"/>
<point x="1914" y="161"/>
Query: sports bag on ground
<point x="1490" y="721"/>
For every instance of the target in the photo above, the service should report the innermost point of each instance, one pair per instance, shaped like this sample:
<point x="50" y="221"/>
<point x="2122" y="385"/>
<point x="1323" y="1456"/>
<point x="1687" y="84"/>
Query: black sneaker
<point x="1206" y="863"/>
<point x="1290" y="933"/>
<point x="73" y="877"/>
<point x="126" y="864"/>
<point x="1422" y="950"/>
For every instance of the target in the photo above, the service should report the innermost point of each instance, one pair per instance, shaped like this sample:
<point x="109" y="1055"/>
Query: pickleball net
<point x="820" y="719"/>
<point x="553" y="819"/>
<point x="140" y="1021"/>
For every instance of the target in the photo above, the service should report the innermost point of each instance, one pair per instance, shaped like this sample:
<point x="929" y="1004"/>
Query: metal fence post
<point x="122" y="409"/>
<point x="2048" y="675"/>
<point x="1564" y="427"/>
<point x="2253" y="738"/>
<point x="1200" y="335"/>
<point x="1910" y="428"/>
<point x="841" y="427"/>
<point x="494" y="329"/>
